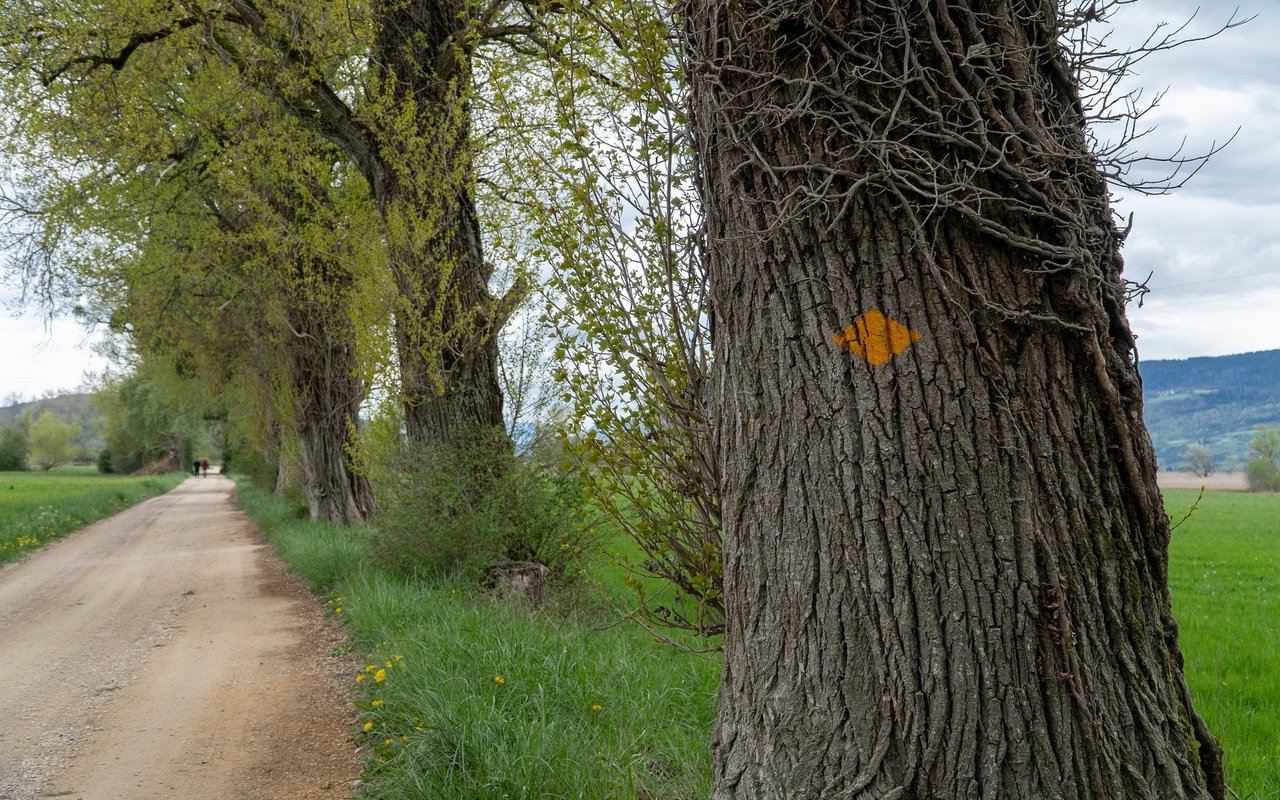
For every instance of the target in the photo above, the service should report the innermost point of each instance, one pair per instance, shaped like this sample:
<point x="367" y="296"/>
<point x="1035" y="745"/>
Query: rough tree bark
<point x="945" y="552"/>
<point x="327" y="393"/>
<point x="317" y="345"/>
<point x="446" y="330"/>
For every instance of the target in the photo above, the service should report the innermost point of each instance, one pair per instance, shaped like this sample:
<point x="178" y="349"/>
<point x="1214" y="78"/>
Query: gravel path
<point x="166" y="653"/>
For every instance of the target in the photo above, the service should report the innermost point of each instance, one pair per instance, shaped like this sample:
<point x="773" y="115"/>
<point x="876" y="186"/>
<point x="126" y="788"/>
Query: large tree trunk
<point x="467" y="401"/>
<point x="945" y="552"/>
<point x="447" y="345"/>
<point x="327" y="394"/>
<point x="447" y="320"/>
<point x="319" y="347"/>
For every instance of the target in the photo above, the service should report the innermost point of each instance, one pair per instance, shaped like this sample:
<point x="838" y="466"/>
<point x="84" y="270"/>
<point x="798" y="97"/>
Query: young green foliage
<point x="52" y="440"/>
<point x="609" y="200"/>
<point x="154" y="418"/>
<point x="15" y="443"/>
<point x="219" y="233"/>
<point x="388" y="86"/>
<point x="1262" y="471"/>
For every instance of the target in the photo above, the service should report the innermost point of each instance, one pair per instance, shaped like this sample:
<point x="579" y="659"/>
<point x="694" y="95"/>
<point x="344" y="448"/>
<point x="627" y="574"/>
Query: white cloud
<point x="1213" y="246"/>
<point x="1212" y="326"/>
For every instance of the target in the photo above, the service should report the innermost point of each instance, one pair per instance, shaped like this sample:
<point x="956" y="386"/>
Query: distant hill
<point x="77" y="408"/>
<point x="1216" y="401"/>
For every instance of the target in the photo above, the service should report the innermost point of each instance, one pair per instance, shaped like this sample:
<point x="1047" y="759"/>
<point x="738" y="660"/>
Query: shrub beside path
<point x="166" y="652"/>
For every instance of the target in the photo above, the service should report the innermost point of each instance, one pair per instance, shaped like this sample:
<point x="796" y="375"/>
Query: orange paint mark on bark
<point x="876" y="338"/>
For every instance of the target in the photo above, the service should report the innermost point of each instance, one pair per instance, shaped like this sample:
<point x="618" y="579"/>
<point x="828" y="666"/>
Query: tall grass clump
<point x="471" y="698"/>
<point x="321" y="553"/>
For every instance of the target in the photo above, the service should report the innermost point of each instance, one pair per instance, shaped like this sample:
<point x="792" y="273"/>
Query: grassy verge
<point x="463" y="697"/>
<point x="1225" y="583"/>
<point x="36" y="507"/>
<point x="466" y="697"/>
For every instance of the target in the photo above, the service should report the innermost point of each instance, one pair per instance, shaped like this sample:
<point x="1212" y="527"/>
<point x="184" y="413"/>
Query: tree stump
<point x="521" y="580"/>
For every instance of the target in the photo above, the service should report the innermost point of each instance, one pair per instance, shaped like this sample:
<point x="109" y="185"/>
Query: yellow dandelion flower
<point x="404" y="738"/>
<point x="338" y="610"/>
<point x="596" y="707"/>
<point x="390" y="664"/>
<point x="368" y="726"/>
<point x="359" y="679"/>
<point x="380" y="676"/>
<point x="386" y="741"/>
<point x="499" y="679"/>
<point x="376" y="703"/>
<point x="371" y="668"/>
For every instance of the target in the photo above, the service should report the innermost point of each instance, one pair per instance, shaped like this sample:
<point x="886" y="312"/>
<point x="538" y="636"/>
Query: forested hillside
<point x="74" y="408"/>
<point x="1215" y="401"/>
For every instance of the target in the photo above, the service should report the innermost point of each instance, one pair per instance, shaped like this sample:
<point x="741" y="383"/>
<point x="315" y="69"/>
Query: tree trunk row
<point x="447" y="321"/>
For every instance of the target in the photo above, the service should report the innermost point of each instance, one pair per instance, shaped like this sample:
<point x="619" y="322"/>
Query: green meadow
<point x="1224" y="574"/>
<point x="36" y="507"/>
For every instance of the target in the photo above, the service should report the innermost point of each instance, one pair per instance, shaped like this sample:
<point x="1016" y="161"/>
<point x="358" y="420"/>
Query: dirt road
<point x="165" y="653"/>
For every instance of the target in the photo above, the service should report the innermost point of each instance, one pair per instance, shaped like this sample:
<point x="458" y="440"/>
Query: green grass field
<point x="1224" y="574"/>
<point x="36" y="507"/>
<point x="463" y="697"/>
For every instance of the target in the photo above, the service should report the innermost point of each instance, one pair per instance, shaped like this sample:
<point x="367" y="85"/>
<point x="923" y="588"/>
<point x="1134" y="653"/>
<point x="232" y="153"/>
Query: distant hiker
<point x="195" y="470"/>
<point x="205" y="466"/>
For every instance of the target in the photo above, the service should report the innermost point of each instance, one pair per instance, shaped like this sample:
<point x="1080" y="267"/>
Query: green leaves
<point x="607" y="196"/>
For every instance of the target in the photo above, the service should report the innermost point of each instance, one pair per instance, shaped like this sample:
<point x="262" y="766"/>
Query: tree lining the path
<point x="390" y="86"/>
<point x="945" y="550"/>
<point x="214" y="235"/>
<point x="927" y="442"/>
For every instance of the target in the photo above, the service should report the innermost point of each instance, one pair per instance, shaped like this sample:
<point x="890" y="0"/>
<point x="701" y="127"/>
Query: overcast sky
<point x="1212" y="248"/>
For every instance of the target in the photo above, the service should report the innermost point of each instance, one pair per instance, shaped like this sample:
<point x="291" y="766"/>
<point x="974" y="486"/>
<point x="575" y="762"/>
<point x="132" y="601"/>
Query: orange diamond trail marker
<point x="876" y="338"/>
